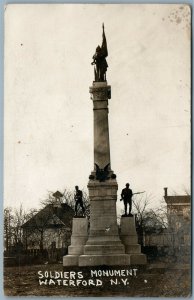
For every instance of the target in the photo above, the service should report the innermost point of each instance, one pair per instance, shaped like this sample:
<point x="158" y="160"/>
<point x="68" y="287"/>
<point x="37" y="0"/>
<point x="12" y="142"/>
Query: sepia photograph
<point x="97" y="150"/>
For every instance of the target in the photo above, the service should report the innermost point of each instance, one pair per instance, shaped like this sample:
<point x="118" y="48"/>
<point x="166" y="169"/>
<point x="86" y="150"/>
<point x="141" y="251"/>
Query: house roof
<point x="51" y="216"/>
<point x="54" y="220"/>
<point x="185" y="199"/>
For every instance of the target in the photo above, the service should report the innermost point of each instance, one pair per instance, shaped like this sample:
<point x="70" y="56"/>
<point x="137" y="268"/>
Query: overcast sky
<point x="49" y="114"/>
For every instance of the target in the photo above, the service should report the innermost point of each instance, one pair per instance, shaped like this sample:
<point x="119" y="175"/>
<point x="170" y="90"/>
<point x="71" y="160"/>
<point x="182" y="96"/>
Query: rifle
<point x="134" y="194"/>
<point x="138" y="193"/>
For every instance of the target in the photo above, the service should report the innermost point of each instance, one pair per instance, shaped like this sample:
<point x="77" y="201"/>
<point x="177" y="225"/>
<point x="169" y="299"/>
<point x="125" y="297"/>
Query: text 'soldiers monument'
<point x="102" y="246"/>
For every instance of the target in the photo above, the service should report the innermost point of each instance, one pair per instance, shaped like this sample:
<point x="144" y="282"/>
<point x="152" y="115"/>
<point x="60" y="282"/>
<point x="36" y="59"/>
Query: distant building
<point x="50" y="228"/>
<point x="178" y="205"/>
<point x="179" y="216"/>
<point x="177" y="236"/>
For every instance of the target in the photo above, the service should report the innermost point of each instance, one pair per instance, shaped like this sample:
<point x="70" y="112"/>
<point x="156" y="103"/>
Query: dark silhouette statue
<point x="78" y="200"/>
<point x="126" y="197"/>
<point x="99" y="59"/>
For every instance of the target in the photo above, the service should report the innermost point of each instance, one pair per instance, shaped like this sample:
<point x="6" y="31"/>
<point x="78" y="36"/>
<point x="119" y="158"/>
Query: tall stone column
<point x="100" y="93"/>
<point x="104" y="245"/>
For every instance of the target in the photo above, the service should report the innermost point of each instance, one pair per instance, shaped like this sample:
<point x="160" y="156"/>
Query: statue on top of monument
<point x="99" y="59"/>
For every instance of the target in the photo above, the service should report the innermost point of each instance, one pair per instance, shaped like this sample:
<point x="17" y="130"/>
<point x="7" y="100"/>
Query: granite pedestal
<point x="129" y="238"/>
<point x="103" y="246"/>
<point x="78" y="240"/>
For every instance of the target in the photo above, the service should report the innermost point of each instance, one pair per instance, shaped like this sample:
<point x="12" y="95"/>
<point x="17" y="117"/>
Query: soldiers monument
<point x="102" y="245"/>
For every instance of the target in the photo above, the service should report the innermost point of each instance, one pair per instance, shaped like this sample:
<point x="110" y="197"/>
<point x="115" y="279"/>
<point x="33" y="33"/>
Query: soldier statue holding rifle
<point x="126" y="197"/>
<point x="78" y="200"/>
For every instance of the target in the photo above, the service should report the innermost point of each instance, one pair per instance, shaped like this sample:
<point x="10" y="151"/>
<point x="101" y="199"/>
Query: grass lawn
<point x="150" y="281"/>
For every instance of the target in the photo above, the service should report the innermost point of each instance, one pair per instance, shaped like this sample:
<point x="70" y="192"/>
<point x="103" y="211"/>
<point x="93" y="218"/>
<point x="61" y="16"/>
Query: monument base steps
<point x="104" y="249"/>
<point x="132" y="249"/>
<point x="138" y="259"/>
<point x="110" y="260"/>
<point x="75" y="250"/>
<point x="104" y="240"/>
<point x="129" y="239"/>
<point x="70" y="260"/>
<point x="78" y="240"/>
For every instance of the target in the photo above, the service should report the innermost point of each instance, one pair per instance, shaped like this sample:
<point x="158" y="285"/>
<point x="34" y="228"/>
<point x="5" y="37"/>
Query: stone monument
<point x="103" y="245"/>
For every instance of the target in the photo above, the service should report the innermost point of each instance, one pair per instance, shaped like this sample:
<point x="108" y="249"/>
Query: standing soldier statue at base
<point x="126" y="197"/>
<point x="78" y="200"/>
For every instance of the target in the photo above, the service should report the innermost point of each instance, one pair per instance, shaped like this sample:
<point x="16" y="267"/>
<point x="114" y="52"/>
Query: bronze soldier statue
<point x="78" y="200"/>
<point x="99" y="59"/>
<point x="126" y="197"/>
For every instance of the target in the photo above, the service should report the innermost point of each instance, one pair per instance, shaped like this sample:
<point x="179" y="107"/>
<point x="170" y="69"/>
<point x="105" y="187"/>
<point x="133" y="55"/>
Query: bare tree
<point x="30" y="231"/>
<point x="13" y="220"/>
<point x="20" y="217"/>
<point x="8" y="234"/>
<point x="160" y="215"/>
<point x="140" y="207"/>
